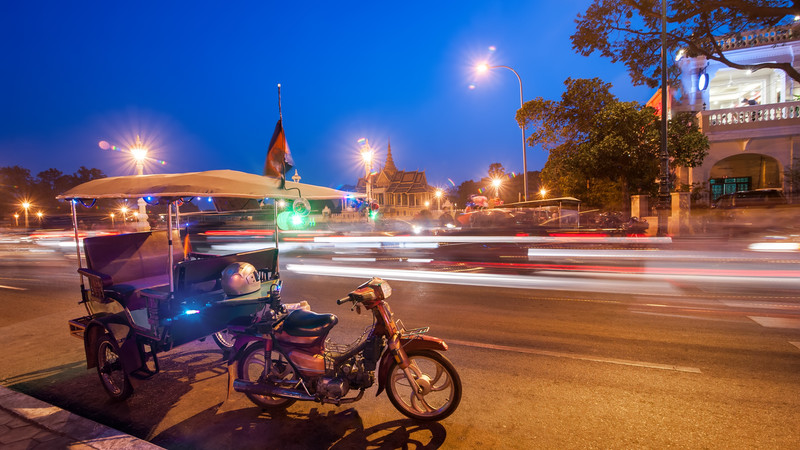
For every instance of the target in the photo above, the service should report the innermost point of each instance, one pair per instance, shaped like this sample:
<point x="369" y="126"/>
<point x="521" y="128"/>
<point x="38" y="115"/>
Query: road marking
<point x="759" y="305"/>
<point x="776" y="322"/>
<point x="2" y="286"/>
<point x="623" y="362"/>
<point x="685" y="316"/>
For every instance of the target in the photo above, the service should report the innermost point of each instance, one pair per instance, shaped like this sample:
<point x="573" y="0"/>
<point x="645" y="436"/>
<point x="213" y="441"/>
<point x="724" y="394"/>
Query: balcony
<point x="777" y="119"/>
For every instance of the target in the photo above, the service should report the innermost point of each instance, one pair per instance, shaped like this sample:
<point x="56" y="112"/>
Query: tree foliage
<point x="629" y="31"/>
<point x="603" y="150"/>
<point x="18" y="185"/>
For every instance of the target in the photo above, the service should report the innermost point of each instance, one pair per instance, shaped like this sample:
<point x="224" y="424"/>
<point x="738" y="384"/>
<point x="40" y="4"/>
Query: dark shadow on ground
<point x="252" y="428"/>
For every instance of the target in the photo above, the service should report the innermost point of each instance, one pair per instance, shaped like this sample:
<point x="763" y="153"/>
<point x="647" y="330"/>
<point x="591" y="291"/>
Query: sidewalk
<point x="28" y="423"/>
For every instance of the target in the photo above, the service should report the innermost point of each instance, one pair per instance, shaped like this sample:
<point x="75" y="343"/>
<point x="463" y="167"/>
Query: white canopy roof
<point x="212" y="183"/>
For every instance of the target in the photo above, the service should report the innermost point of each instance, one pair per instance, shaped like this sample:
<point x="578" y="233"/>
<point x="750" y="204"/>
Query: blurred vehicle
<point x="752" y="211"/>
<point x="763" y="198"/>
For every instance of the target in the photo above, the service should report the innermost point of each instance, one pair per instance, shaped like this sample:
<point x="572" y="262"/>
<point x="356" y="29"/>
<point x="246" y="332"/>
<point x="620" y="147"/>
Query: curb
<point x="84" y="432"/>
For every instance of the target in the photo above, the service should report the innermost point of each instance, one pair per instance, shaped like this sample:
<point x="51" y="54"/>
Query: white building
<point x="752" y="119"/>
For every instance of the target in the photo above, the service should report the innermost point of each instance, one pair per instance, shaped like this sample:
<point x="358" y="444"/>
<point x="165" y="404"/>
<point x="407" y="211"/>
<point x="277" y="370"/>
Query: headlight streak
<point x="488" y="280"/>
<point x="497" y="239"/>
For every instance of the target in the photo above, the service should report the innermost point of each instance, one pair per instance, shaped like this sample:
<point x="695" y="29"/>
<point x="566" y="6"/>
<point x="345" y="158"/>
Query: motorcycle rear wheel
<point x="440" y="383"/>
<point x="251" y="368"/>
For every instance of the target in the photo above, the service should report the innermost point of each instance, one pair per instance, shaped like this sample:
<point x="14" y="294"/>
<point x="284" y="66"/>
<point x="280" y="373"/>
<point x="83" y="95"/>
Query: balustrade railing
<point x="776" y="114"/>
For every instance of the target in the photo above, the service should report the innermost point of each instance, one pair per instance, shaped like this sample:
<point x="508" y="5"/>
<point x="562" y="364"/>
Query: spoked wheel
<point x="252" y="368"/>
<point x="109" y="368"/>
<point x="439" y="386"/>
<point x="224" y="339"/>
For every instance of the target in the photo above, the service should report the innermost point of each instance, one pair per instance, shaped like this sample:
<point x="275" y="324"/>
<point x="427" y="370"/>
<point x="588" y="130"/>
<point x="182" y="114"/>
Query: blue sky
<point x="198" y="81"/>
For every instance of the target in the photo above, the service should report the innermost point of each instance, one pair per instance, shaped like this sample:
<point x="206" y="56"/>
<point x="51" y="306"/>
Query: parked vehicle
<point x="762" y="198"/>
<point x="146" y="294"/>
<point x="285" y="357"/>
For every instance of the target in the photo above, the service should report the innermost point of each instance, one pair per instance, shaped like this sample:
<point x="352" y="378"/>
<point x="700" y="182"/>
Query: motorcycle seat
<point x="307" y="323"/>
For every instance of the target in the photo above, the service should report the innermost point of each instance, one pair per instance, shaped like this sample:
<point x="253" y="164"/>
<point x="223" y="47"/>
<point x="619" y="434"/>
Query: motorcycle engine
<point x="332" y="387"/>
<point x="358" y="375"/>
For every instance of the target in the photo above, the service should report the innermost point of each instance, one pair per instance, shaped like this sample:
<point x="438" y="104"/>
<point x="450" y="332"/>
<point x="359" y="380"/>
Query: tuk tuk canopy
<point x="212" y="183"/>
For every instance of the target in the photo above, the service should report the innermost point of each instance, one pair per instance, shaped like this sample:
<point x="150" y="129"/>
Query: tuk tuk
<point x="145" y="295"/>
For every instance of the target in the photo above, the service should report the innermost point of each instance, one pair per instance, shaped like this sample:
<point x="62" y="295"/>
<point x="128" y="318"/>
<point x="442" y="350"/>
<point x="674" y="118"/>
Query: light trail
<point x="645" y="287"/>
<point x="497" y="239"/>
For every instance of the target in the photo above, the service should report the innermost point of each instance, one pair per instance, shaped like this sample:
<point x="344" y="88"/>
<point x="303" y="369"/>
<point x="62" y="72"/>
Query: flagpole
<point x="280" y="112"/>
<point x="283" y="178"/>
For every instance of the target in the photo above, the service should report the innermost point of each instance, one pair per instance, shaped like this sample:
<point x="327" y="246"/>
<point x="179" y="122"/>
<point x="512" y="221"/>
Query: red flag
<point x="279" y="160"/>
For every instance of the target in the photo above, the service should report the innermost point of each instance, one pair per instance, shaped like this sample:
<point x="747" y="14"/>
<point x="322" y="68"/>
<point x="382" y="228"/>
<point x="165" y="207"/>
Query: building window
<point x="722" y="186"/>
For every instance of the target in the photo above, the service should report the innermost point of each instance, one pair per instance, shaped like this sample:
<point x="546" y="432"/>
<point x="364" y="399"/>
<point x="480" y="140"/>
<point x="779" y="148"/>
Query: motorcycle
<point x="285" y="356"/>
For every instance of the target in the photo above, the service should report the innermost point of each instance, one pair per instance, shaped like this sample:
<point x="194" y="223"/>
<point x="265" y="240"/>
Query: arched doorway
<point x="744" y="172"/>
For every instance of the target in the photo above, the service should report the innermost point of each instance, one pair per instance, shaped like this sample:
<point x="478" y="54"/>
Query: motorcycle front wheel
<point x="438" y="381"/>
<point x="251" y="367"/>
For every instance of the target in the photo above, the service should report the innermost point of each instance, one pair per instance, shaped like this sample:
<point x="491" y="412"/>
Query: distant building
<point x="399" y="192"/>
<point x="752" y="119"/>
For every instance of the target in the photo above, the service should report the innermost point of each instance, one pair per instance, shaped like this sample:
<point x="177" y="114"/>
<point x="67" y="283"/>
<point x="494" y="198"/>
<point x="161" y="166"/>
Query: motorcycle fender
<point x="121" y="332"/>
<point x="422" y="342"/>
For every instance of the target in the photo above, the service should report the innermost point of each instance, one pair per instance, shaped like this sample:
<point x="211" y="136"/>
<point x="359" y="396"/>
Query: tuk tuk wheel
<point x="109" y="368"/>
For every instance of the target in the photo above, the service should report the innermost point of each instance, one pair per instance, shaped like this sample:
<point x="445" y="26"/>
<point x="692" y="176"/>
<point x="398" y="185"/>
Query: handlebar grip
<point x="343" y="300"/>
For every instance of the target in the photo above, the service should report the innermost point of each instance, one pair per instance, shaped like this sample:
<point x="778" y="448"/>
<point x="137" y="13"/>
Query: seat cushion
<point x="129" y="290"/>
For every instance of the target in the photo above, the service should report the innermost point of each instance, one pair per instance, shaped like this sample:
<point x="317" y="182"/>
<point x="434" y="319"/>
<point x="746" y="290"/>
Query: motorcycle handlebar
<point x="343" y="300"/>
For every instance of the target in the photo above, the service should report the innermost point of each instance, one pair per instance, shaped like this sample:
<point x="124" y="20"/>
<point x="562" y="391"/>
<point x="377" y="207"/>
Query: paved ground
<point x="28" y="423"/>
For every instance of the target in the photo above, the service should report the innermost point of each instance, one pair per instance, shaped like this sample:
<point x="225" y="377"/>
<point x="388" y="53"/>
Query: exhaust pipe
<point x="250" y="387"/>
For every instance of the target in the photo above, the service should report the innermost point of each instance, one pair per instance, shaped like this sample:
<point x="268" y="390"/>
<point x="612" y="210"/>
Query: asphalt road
<point x="654" y="365"/>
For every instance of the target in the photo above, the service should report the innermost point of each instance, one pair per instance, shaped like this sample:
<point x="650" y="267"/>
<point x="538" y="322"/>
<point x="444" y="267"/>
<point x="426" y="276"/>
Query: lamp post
<point x="112" y="220"/>
<point x="139" y="153"/>
<point x="438" y="195"/>
<point x="16" y="219"/>
<point x="25" y="206"/>
<point x="542" y="192"/>
<point x="40" y="215"/>
<point x="366" y="155"/>
<point x="485" y="68"/>
<point x="663" y="185"/>
<point x="124" y="211"/>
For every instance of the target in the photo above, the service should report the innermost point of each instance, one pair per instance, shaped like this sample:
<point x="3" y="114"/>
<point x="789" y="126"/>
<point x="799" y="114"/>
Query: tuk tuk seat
<point x="127" y="263"/>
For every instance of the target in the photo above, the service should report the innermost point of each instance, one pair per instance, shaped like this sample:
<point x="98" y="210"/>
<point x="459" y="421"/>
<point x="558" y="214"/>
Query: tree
<point x="687" y="145"/>
<point x="602" y="150"/>
<point x="85" y="174"/>
<point x="496" y="170"/>
<point x="629" y="31"/>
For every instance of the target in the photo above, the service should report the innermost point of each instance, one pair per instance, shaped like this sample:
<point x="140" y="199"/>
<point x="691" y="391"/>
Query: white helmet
<point x="240" y="278"/>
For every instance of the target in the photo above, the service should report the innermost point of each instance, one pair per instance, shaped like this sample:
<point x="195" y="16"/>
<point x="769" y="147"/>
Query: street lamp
<point x="139" y="152"/>
<point x="124" y="211"/>
<point x="438" y="194"/>
<point x="40" y="215"/>
<point x="496" y="184"/>
<point x="481" y="68"/>
<point x="25" y="206"/>
<point x="16" y="219"/>
<point x="366" y="155"/>
<point x="112" y="220"/>
<point x="542" y="192"/>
